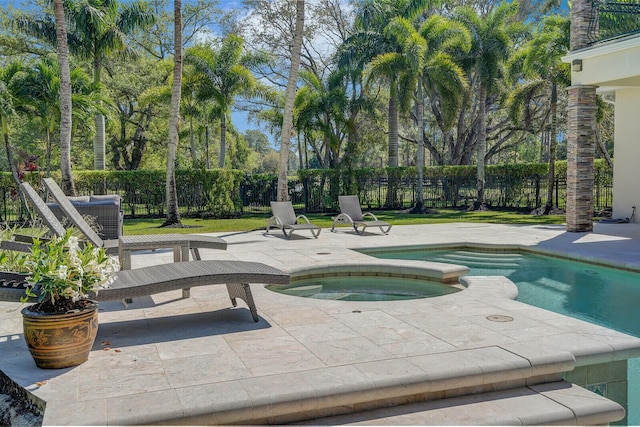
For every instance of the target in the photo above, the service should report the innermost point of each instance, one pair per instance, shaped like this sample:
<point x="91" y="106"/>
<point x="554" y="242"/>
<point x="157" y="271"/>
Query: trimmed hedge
<point x="222" y="193"/>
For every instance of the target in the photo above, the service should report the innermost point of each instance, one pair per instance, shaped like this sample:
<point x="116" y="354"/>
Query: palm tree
<point x="402" y="68"/>
<point x="376" y="45"/>
<point x="173" y="214"/>
<point x="290" y="94"/>
<point x="221" y="76"/>
<point x="490" y="48"/>
<point x="97" y="29"/>
<point x="442" y="80"/>
<point x="323" y="108"/>
<point x="7" y="109"/>
<point x="37" y="92"/>
<point x="371" y="41"/>
<point x="65" y="99"/>
<point x="541" y="65"/>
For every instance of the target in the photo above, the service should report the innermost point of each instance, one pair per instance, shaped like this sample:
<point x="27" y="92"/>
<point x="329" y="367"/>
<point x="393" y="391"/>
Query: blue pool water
<point x="601" y="295"/>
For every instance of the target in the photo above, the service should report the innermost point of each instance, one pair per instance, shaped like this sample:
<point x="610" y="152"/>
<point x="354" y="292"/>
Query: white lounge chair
<point x="351" y="213"/>
<point x="285" y="219"/>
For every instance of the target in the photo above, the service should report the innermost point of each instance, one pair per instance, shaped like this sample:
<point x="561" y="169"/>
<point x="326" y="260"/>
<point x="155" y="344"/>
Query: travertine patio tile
<point x="517" y="322"/>
<point x="367" y="318"/>
<point x="470" y="336"/>
<point x="349" y="350"/>
<point x="275" y="356"/>
<point x="318" y="332"/>
<point x="301" y="317"/>
<point x="333" y="381"/>
<point x="87" y="412"/>
<point x="462" y="368"/>
<point x="589" y="408"/>
<point x="392" y="373"/>
<point x="394" y="333"/>
<point x="543" y="360"/>
<point x="212" y="345"/>
<point x="133" y="370"/>
<point x="532" y="333"/>
<point x="301" y="361"/>
<point x="586" y="350"/>
<point x="532" y="408"/>
<point x="144" y="408"/>
<point x="295" y="394"/>
<point x="266" y="348"/>
<point x="209" y="368"/>
<point x="426" y="345"/>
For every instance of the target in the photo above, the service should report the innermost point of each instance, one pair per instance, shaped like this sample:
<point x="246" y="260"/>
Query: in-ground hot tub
<point x="380" y="282"/>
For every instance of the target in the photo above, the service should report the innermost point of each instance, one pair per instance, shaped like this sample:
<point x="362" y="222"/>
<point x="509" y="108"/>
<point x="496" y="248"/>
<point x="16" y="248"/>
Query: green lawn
<point x="256" y="222"/>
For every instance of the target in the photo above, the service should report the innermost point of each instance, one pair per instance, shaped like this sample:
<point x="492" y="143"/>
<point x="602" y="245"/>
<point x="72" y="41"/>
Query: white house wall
<point x="626" y="164"/>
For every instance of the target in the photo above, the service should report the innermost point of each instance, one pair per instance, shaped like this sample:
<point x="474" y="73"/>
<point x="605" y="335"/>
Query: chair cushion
<point x="105" y="197"/>
<point x="79" y="199"/>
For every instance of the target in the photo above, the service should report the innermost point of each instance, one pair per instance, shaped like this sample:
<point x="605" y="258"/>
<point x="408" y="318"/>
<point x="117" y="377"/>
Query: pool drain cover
<point x="499" y="318"/>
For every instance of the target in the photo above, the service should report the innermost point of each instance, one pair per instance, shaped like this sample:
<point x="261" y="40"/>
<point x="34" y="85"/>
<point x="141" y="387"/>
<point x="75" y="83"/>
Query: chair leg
<point x="315" y="233"/>
<point x="243" y="291"/>
<point x="195" y="253"/>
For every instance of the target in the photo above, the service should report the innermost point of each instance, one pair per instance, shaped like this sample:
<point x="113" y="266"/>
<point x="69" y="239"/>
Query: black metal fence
<point x="319" y="193"/>
<point x="612" y="19"/>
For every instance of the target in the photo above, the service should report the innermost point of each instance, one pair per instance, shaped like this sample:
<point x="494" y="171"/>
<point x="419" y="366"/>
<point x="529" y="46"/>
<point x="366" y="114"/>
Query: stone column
<point x="582" y="12"/>
<point x="581" y="123"/>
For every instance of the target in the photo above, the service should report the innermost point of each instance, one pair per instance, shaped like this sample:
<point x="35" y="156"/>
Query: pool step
<point x="559" y="403"/>
<point x="527" y="375"/>
<point x="481" y="259"/>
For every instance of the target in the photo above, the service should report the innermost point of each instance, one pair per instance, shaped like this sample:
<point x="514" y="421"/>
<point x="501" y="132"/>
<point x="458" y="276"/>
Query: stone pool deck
<point x="199" y="361"/>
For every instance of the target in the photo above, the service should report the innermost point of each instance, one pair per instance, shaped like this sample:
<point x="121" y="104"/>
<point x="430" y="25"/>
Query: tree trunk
<point x="65" y="99"/>
<point x="300" y="151"/>
<point x="206" y="144"/>
<point x="551" y="177"/>
<point x="392" y="185"/>
<point x="287" y="120"/>
<point x="223" y="140"/>
<point x="393" y="127"/>
<point x="419" y="207"/>
<point x="98" y="143"/>
<point x="194" y="154"/>
<point x="481" y="148"/>
<point x="173" y="214"/>
<point x="98" y="139"/>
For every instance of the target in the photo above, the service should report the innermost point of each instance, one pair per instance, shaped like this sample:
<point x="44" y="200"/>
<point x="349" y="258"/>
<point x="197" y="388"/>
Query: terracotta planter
<point x="60" y="340"/>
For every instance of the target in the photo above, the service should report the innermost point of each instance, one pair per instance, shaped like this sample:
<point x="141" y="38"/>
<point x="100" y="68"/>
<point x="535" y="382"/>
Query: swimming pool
<point x="605" y="296"/>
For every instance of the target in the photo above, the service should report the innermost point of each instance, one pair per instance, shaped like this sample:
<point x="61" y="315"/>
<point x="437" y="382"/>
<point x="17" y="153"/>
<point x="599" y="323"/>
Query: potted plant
<point x="61" y="327"/>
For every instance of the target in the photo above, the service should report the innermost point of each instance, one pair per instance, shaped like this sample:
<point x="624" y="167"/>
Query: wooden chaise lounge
<point x="237" y="275"/>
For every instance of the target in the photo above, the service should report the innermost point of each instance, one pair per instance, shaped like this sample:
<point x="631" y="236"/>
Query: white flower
<point x="62" y="272"/>
<point x="73" y="244"/>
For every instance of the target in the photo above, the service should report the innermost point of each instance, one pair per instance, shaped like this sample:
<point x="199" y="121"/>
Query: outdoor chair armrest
<point x="273" y="222"/>
<point x="369" y="214"/>
<point x="341" y="218"/>
<point x="302" y="217"/>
